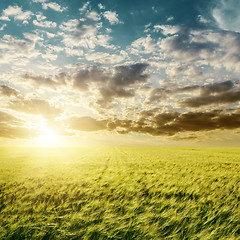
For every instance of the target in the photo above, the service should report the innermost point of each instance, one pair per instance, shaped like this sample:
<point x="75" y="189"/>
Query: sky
<point x="120" y="73"/>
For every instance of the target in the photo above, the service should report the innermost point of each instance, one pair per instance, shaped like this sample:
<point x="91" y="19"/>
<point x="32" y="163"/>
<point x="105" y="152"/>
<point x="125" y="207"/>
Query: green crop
<point x="120" y="193"/>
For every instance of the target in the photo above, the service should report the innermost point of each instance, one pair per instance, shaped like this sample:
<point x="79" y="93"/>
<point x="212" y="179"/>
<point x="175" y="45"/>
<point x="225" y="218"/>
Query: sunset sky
<point x="120" y="73"/>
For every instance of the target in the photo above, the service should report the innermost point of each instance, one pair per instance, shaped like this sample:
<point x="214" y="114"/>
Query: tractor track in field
<point x="106" y="166"/>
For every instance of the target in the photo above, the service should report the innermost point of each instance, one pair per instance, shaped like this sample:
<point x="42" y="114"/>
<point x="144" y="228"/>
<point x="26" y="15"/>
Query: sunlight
<point x="49" y="138"/>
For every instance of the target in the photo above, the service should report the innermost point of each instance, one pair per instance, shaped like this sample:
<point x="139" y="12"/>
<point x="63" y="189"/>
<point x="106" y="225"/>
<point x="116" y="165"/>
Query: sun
<point x="49" y="138"/>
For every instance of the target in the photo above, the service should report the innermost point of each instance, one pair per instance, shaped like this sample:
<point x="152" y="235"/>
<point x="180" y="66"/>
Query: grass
<point x="120" y="193"/>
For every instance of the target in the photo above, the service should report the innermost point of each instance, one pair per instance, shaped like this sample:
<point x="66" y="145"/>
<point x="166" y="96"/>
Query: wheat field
<point x="120" y="193"/>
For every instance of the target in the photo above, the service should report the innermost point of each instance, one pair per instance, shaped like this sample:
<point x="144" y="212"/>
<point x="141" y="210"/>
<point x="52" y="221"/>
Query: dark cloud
<point x="9" y="91"/>
<point x="217" y="87"/>
<point x="120" y="76"/>
<point x="53" y="82"/>
<point x="226" y="92"/>
<point x="157" y="94"/>
<point x="119" y="82"/>
<point x="223" y="98"/>
<point x="217" y="93"/>
<point x="105" y="84"/>
<point x="167" y="123"/>
<point x="183" y="46"/>
<point x="83" y="77"/>
<point x="128" y="75"/>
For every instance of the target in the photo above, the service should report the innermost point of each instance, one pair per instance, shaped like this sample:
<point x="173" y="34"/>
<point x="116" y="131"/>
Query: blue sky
<point x="120" y="72"/>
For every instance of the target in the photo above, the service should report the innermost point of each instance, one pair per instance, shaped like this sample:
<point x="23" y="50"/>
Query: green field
<point x="120" y="193"/>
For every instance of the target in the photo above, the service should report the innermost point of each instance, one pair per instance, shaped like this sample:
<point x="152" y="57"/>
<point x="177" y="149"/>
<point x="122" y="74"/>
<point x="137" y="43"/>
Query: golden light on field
<point x="48" y="138"/>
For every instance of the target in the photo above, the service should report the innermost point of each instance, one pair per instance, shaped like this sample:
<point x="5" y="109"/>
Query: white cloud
<point x="32" y="37"/>
<point x="91" y="40"/>
<point x="166" y="29"/>
<point x="226" y="14"/>
<point x="93" y="16"/>
<point x="50" y="35"/>
<point x="54" y="6"/>
<point x="106" y="58"/>
<point x="142" y="45"/>
<point x="40" y="17"/>
<point x="154" y="9"/>
<point x="84" y="7"/>
<point x="201" y="19"/>
<point x="112" y="17"/>
<point x="18" y="52"/>
<point x="103" y="40"/>
<point x="101" y="6"/>
<point x="108" y="30"/>
<point x="3" y="26"/>
<point x="147" y="27"/>
<point x="70" y="25"/>
<point x="171" y="18"/>
<point x="39" y="1"/>
<point x="17" y="13"/>
<point x="49" y="55"/>
<point x="74" y="52"/>
<point x="45" y="24"/>
<point x="84" y="32"/>
<point x="11" y="43"/>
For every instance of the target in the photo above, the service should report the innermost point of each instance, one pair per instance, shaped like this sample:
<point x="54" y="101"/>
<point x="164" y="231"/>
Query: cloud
<point x="74" y="52"/>
<point x="226" y="14"/>
<point x="171" y="18"/>
<point x="123" y="75"/>
<point x="112" y="17"/>
<point x="84" y="7"/>
<point x="201" y="19"/>
<point x="198" y="45"/>
<point x="2" y="27"/>
<point x="217" y="93"/>
<point x="101" y="6"/>
<point x="166" y="123"/>
<point x="54" y="6"/>
<point x="12" y="127"/>
<point x="93" y="15"/>
<point x="119" y="82"/>
<point x="127" y="75"/>
<point x="106" y="58"/>
<point x="166" y="29"/>
<point x="184" y="46"/>
<point x="35" y="107"/>
<point x="45" y="24"/>
<point x="85" y="123"/>
<point x="84" y="32"/>
<point x="20" y="45"/>
<point x="224" y="98"/>
<point x="86" y="27"/>
<point x="53" y="82"/>
<point x="84" y="77"/>
<point x="17" y="13"/>
<point x="143" y="45"/>
<point x="39" y="1"/>
<point x="106" y="84"/>
<point x="8" y="91"/>
<point x="157" y="95"/>
<point x="214" y="94"/>
<point x="70" y="25"/>
<point x="227" y="50"/>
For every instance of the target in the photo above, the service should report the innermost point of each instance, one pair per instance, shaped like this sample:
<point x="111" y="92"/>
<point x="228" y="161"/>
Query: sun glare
<point x="49" y="138"/>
